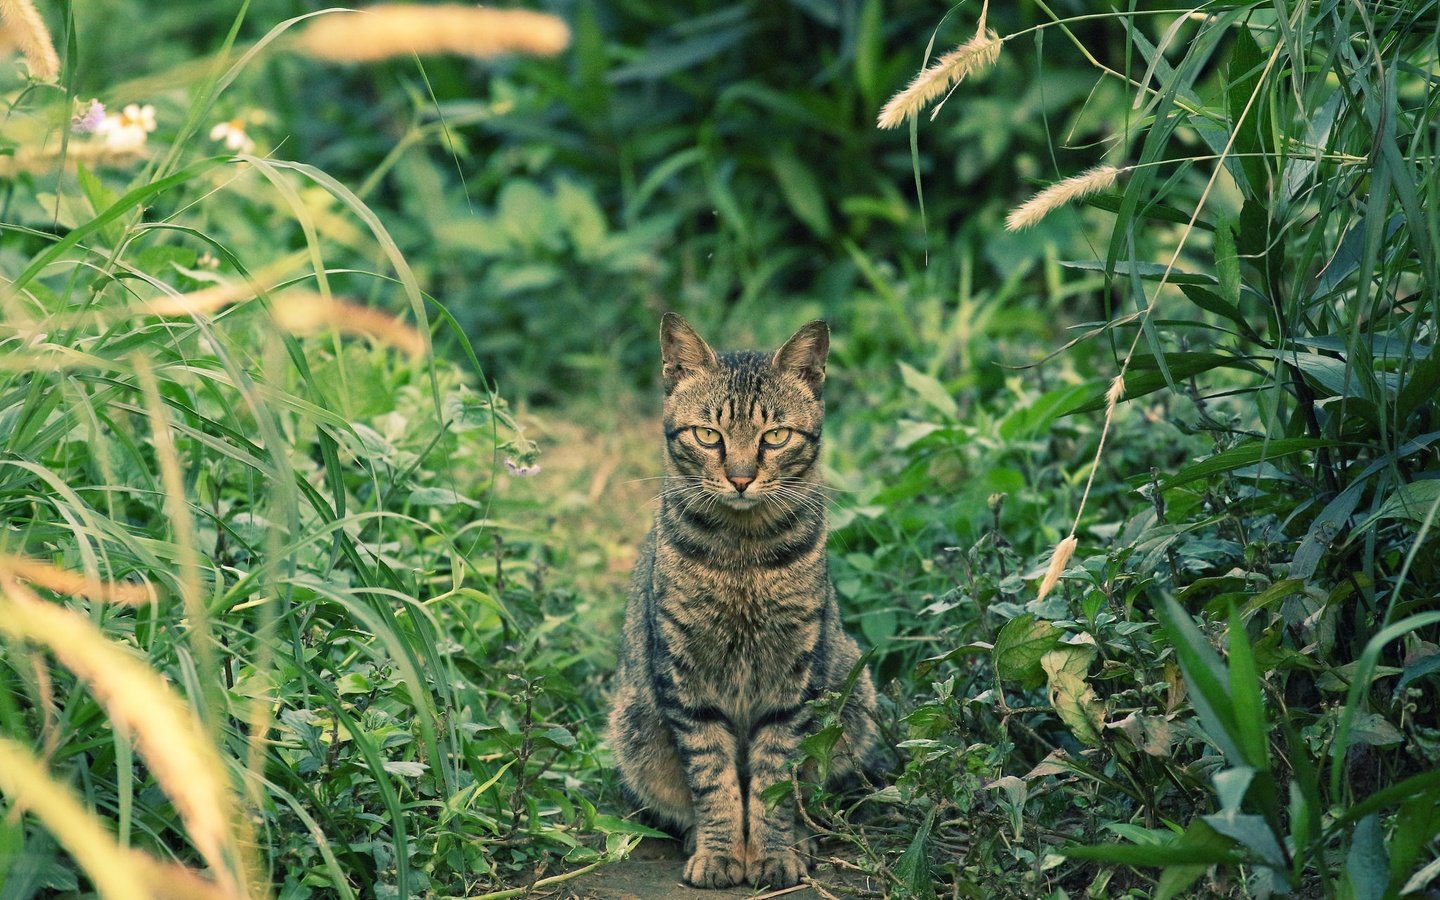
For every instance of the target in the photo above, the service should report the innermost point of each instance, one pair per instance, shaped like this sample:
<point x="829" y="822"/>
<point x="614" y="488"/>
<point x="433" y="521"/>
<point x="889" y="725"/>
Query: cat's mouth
<point x="737" y="500"/>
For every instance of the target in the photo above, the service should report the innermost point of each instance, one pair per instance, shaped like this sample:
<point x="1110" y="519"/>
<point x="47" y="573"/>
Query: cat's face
<point x="742" y="430"/>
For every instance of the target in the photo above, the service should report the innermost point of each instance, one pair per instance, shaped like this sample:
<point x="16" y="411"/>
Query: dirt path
<point x="653" y="873"/>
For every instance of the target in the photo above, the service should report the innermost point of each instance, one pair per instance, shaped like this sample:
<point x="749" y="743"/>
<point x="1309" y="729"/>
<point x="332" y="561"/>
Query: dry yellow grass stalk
<point x="1090" y="181"/>
<point x="169" y="881"/>
<point x="307" y="312"/>
<point x="388" y="30"/>
<point x="25" y="28"/>
<point x="975" y="54"/>
<point x="29" y="786"/>
<point x="74" y="584"/>
<point x="1058" y="561"/>
<point x="142" y="705"/>
<point x="202" y="302"/>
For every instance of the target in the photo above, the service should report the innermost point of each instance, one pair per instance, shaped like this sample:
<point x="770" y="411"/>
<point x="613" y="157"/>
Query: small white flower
<point x="126" y="133"/>
<point x="139" y="116"/>
<point x="234" y="136"/>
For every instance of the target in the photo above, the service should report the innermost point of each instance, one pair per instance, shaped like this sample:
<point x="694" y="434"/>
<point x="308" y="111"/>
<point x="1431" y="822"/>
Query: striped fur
<point x="731" y="626"/>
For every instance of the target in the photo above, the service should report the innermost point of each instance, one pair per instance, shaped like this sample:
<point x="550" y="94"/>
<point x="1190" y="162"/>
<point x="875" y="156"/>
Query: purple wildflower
<point x="88" y="122"/>
<point x="520" y="471"/>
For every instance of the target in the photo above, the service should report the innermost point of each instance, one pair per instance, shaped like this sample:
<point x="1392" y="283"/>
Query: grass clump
<point x="254" y="537"/>
<point x="1270" y="278"/>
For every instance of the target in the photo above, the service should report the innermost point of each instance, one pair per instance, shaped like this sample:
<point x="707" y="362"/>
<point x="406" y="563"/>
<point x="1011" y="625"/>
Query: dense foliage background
<point x="382" y="584"/>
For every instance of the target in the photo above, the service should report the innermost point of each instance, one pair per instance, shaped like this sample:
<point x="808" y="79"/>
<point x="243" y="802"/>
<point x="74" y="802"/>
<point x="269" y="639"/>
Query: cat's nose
<point x="741" y="482"/>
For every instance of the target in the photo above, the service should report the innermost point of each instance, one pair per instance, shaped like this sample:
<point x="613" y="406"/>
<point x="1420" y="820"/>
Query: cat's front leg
<point x="708" y="753"/>
<point x="773" y="855"/>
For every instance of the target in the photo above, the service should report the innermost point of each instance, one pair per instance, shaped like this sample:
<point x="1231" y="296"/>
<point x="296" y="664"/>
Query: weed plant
<point x="258" y="632"/>
<point x="1271" y="308"/>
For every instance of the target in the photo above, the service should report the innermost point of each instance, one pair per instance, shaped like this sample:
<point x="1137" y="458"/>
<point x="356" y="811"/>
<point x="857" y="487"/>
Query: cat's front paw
<point x="714" y="870"/>
<point x="780" y="869"/>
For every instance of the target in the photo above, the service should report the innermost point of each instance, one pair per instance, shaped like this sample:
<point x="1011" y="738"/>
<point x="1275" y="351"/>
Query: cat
<point x="731" y="626"/>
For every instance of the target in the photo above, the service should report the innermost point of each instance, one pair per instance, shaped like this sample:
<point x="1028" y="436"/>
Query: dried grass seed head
<point x="389" y="30"/>
<point x="1092" y="180"/>
<point x="26" y="30"/>
<point x="1058" y="561"/>
<point x="976" y="54"/>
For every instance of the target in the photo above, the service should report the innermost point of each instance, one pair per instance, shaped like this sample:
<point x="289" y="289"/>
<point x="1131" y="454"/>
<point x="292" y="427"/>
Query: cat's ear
<point x="682" y="352"/>
<point x="804" y="354"/>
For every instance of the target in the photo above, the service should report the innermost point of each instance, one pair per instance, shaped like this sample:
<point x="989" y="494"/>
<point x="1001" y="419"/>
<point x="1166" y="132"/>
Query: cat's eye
<point x="708" y="437"/>
<point x="775" y="437"/>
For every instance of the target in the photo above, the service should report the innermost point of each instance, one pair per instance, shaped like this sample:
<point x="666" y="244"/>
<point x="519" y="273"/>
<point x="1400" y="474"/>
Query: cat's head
<point x="744" y="428"/>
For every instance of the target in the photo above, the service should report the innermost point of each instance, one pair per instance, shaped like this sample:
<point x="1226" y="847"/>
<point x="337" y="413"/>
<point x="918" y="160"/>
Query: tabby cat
<point x="731" y="627"/>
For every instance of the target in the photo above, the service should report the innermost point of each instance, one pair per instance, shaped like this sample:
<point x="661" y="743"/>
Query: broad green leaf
<point x="929" y="389"/>
<point x="404" y="768"/>
<point x="1416" y="825"/>
<point x="1367" y="865"/>
<point x="581" y="215"/>
<point x="913" y="866"/>
<point x="559" y="736"/>
<point x="1375" y="730"/>
<point x="1019" y="647"/>
<point x="801" y="191"/>
<point x="1251" y="832"/>
<point x="1415" y="501"/>
<point x="353" y="683"/>
<point x="1071" y="696"/>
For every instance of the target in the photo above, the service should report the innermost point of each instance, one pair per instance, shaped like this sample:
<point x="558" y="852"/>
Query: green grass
<point x="398" y="649"/>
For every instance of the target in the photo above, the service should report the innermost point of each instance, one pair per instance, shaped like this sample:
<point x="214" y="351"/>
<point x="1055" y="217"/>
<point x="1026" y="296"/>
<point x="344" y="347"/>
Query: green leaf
<point x="100" y="197"/>
<point x="1176" y="879"/>
<point x="1146" y="271"/>
<point x="608" y="824"/>
<point x="929" y="389"/>
<point x="1150" y="856"/>
<point x="404" y="768"/>
<point x="1019" y="647"/>
<point x="1242" y="76"/>
<point x="1206" y="677"/>
<point x="1252" y="730"/>
<point x="1415" y="501"/>
<point x="1071" y="696"/>
<point x="1144" y="378"/>
<point x="559" y="736"/>
<point x="1367" y="865"/>
<point x="1241" y="456"/>
<point x="353" y="683"/>
<point x="801" y="191"/>
<point x="581" y="216"/>
<point x="1375" y="730"/>
<point x="1416" y="825"/>
<point x="1365" y="670"/>
<point x="913" y="867"/>
<point x="1227" y="265"/>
